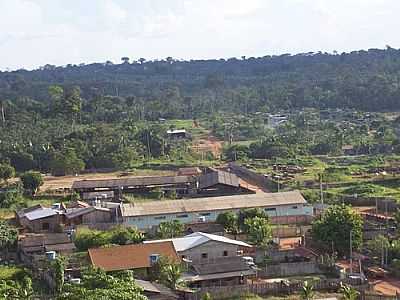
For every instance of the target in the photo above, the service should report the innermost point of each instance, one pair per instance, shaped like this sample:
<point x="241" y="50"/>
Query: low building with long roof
<point x="289" y="206"/>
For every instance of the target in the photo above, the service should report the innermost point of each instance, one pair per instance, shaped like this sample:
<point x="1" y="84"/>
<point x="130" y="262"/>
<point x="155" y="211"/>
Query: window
<point x="182" y="216"/>
<point x="45" y="226"/>
<point x="270" y="209"/>
<point x="294" y="207"/>
<point x="159" y="218"/>
<point x="205" y="214"/>
<point x="204" y="255"/>
<point x="225" y="253"/>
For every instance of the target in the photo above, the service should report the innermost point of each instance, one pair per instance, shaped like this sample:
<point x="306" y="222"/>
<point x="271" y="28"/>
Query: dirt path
<point x="208" y="143"/>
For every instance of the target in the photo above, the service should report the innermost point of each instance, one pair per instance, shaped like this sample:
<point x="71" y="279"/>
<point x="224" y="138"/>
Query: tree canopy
<point x="334" y="228"/>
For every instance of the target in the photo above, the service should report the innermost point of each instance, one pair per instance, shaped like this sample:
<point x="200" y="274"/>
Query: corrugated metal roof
<point x="212" y="204"/>
<point x="73" y="213"/>
<point x="40" y="214"/>
<point x="132" y="182"/>
<point x="199" y="238"/>
<point x="218" y="177"/>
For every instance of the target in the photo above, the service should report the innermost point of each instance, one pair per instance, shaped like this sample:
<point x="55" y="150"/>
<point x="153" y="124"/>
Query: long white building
<point x="145" y="215"/>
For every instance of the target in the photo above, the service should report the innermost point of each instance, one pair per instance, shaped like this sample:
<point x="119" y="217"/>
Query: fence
<point x="366" y="295"/>
<point x="274" y="288"/>
<point x="289" y="269"/>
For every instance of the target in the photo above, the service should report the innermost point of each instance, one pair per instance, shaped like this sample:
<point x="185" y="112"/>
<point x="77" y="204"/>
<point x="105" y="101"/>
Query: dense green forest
<point x="66" y="119"/>
<point x="367" y="80"/>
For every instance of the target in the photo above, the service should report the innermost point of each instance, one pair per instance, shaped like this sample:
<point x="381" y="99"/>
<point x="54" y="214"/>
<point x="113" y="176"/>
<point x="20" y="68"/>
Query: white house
<point x="202" y="247"/>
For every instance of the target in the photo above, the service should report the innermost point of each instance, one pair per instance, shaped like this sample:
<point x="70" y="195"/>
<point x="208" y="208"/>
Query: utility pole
<point x="351" y="252"/>
<point x="320" y="189"/>
<point x="279" y="186"/>
<point x="3" y="115"/>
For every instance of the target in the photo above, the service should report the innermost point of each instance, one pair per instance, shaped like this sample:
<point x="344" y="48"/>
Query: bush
<point x="86" y="238"/>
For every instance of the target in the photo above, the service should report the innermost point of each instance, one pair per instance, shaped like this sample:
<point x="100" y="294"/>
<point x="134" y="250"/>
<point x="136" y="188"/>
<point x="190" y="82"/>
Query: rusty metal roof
<point x="130" y="257"/>
<point x="218" y="177"/>
<point x="132" y="182"/>
<point x="212" y="204"/>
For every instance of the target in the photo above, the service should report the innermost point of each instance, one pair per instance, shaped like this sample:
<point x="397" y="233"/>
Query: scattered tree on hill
<point x="31" y="181"/>
<point x="6" y="172"/>
<point x="8" y="236"/>
<point x="66" y="163"/>
<point x="335" y="225"/>
<point x="170" y="229"/>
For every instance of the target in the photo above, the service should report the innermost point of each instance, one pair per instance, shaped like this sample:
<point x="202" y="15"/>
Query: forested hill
<point x="366" y="80"/>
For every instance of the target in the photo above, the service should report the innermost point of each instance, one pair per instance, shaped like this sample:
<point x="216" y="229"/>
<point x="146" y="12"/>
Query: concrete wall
<point x="289" y="269"/>
<point x="97" y="216"/>
<point x="214" y="250"/>
<point x="283" y="211"/>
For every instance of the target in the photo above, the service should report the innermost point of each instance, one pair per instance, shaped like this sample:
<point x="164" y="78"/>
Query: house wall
<point x="213" y="249"/>
<point x="96" y="216"/>
<point x="147" y="222"/>
<point x="40" y="225"/>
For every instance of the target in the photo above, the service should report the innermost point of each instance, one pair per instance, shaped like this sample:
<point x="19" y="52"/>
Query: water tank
<point x="51" y="255"/>
<point x="154" y="258"/>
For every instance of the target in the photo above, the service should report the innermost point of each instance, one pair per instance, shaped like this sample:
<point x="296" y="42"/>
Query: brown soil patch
<point x="387" y="286"/>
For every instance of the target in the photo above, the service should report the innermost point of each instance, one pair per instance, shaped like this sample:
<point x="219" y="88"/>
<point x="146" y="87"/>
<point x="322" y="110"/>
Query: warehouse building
<point x="289" y="206"/>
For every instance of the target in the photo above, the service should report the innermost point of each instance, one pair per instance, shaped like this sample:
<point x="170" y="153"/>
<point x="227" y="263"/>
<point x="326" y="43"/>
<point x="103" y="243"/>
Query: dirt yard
<point x="387" y="286"/>
<point x="208" y="143"/>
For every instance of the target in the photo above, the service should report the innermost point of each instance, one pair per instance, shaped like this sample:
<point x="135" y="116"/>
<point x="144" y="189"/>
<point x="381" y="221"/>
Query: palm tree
<point x="307" y="291"/>
<point x="348" y="292"/>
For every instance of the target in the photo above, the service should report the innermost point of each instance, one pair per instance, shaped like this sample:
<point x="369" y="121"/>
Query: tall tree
<point x="32" y="181"/>
<point x="336" y="226"/>
<point x="259" y="231"/>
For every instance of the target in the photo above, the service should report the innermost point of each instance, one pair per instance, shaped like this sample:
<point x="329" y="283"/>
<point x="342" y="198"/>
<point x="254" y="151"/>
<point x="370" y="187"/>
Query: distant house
<point x="288" y="207"/>
<point x="138" y="257"/>
<point x="39" y="218"/>
<point x="177" y="134"/>
<point x="201" y="247"/>
<point x="51" y="219"/>
<point x="212" y="259"/>
<point x="222" y="272"/>
<point x="32" y="245"/>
